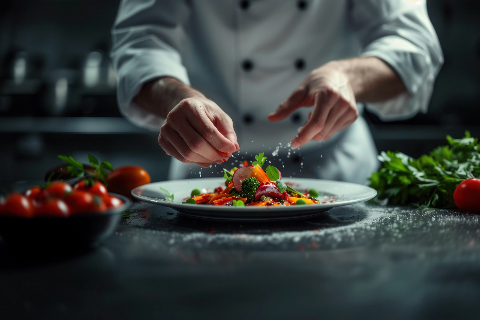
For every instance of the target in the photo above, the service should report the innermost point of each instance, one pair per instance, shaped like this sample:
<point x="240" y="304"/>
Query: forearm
<point x="372" y="79"/>
<point x="161" y="95"/>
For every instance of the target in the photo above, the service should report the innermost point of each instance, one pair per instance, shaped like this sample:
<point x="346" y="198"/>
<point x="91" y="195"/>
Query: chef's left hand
<point x="330" y="93"/>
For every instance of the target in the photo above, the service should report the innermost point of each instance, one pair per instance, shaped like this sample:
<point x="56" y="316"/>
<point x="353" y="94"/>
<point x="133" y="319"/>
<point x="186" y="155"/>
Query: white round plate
<point x="333" y="194"/>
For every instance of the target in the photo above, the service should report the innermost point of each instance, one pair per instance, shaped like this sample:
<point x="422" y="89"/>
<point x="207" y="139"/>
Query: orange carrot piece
<point x="222" y="201"/>
<point x="228" y="188"/>
<point x="218" y="196"/>
<point x="258" y="203"/>
<point x="203" y="197"/>
<point x="258" y="173"/>
<point x="245" y="163"/>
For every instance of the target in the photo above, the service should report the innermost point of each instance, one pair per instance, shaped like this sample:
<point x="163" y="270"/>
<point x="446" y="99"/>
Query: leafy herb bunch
<point x="430" y="180"/>
<point x="76" y="169"/>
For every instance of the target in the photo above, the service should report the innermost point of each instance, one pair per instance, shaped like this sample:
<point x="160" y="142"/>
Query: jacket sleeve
<point x="400" y="33"/>
<point x="147" y="36"/>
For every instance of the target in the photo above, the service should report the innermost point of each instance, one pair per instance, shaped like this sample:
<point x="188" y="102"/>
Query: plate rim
<point x="303" y="211"/>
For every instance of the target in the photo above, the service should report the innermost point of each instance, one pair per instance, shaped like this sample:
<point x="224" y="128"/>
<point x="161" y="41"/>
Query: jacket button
<point x="296" y="117"/>
<point x="247" y="65"/>
<point x="248" y="118"/>
<point x="244" y="5"/>
<point x="300" y="64"/>
<point x="302" y="5"/>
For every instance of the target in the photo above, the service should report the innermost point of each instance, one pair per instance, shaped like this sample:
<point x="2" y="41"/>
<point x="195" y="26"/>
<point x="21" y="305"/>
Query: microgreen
<point x="430" y="180"/>
<point x="168" y="196"/>
<point x="272" y="173"/>
<point x="227" y="175"/>
<point x="260" y="160"/>
<point x="291" y="190"/>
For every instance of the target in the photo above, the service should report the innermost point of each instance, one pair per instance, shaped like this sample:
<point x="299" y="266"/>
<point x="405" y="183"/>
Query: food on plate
<point x="250" y="185"/>
<point x="431" y="180"/>
<point x="467" y="195"/>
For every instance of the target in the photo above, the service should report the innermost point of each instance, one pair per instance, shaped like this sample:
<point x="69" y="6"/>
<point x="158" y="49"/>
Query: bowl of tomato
<point x="60" y="215"/>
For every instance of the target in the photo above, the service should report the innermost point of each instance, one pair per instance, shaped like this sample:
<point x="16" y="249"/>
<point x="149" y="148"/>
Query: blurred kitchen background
<point x="57" y="89"/>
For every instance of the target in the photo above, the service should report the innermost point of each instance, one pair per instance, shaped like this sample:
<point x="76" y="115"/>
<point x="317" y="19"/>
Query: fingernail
<point x="294" y="144"/>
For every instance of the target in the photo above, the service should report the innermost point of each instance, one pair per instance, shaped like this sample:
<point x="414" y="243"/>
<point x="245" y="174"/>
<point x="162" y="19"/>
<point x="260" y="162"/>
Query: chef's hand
<point x="195" y="128"/>
<point x="329" y="91"/>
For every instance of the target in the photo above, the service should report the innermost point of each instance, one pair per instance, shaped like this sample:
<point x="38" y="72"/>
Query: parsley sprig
<point x="168" y="196"/>
<point x="76" y="169"/>
<point x="260" y="160"/>
<point x="430" y="180"/>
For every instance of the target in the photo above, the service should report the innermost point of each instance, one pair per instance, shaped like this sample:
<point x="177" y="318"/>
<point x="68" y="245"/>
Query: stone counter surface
<point x="353" y="262"/>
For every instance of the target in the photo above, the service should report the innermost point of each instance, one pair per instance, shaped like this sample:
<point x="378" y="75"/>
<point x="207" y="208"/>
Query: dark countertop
<point x="358" y="261"/>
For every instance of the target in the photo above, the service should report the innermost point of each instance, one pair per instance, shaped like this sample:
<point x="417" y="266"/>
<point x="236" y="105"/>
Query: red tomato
<point x="56" y="189"/>
<point x="17" y="205"/>
<point x="98" y="188"/>
<point x="112" y="202"/>
<point x="81" y="202"/>
<point x="33" y="192"/>
<point x="467" y="195"/>
<point x="52" y="208"/>
<point x="123" y="179"/>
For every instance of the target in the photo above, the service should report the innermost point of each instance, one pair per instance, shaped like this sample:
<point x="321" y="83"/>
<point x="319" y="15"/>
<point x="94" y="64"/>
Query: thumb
<point x="288" y="106"/>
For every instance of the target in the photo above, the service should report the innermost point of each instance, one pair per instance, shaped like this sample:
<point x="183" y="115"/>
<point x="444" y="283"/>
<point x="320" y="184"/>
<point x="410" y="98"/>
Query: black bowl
<point x="86" y="229"/>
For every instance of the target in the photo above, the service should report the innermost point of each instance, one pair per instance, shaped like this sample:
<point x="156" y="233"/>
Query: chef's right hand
<point x="195" y="130"/>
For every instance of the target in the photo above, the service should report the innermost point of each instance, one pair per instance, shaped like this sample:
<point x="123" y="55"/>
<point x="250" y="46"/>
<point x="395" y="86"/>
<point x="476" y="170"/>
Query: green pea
<point x="238" y="203"/>
<point x="313" y="193"/>
<point x="195" y="192"/>
<point x="191" y="201"/>
<point x="301" y="201"/>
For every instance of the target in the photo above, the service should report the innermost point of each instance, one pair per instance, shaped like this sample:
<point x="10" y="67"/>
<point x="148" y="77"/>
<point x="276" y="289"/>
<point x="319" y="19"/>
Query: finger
<point x="336" y="114"/>
<point x="224" y="124"/>
<point x="324" y="102"/>
<point x="340" y="126"/>
<point x="195" y="141"/>
<point x="203" y="124"/>
<point x="295" y="101"/>
<point x="173" y="137"/>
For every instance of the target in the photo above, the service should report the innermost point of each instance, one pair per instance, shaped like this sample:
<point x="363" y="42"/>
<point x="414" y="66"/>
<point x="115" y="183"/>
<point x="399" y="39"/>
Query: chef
<point x="217" y="75"/>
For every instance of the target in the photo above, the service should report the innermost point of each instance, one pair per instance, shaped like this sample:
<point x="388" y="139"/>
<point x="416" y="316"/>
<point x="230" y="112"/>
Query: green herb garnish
<point x="227" y="175"/>
<point x="260" y="160"/>
<point x="272" y="173"/>
<point x="281" y="186"/>
<point x="126" y="214"/>
<point x="76" y="169"/>
<point x="295" y="192"/>
<point x="168" y="196"/>
<point x="430" y="180"/>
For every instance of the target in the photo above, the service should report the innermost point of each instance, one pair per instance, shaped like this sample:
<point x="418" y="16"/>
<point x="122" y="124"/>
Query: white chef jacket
<point x="248" y="56"/>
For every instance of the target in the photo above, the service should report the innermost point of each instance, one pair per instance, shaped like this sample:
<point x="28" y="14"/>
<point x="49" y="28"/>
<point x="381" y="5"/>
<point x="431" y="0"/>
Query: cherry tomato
<point x="17" y="205"/>
<point x="33" y="192"/>
<point x="467" y="195"/>
<point x="52" y="208"/>
<point x="56" y="189"/>
<point x="98" y="188"/>
<point x="81" y="202"/>
<point x="123" y="179"/>
<point x="112" y="202"/>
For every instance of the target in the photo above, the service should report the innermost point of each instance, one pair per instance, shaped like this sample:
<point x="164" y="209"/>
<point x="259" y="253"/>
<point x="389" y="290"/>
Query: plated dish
<point x="335" y="192"/>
